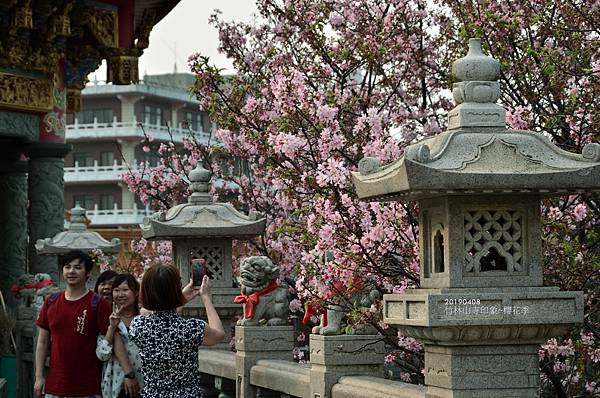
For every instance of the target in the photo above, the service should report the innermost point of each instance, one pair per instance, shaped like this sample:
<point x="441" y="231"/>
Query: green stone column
<point x="13" y="224"/>
<point x="46" y="201"/>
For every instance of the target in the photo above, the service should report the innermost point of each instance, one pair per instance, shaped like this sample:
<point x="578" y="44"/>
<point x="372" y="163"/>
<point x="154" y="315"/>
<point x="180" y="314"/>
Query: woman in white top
<point x="121" y="373"/>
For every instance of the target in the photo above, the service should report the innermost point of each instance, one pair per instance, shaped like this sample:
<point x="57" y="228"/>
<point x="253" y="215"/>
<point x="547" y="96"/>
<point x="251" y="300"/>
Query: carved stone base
<point x="332" y="357"/>
<point x="473" y="114"/>
<point x="482" y="371"/>
<point x="483" y="342"/>
<point x="259" y="342"/>
<point x="483" y="316"/>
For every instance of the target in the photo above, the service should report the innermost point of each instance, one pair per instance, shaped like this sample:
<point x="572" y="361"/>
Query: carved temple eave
<point x="35" y="41"/>
<point x="209" y="221"/>
<point x="466" y="161"/>
<point x="77" y="237"/>
<point x="85" y="241"/>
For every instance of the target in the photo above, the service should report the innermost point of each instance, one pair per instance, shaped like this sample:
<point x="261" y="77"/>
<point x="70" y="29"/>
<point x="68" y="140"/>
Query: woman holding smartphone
<point x="168" y="343"/>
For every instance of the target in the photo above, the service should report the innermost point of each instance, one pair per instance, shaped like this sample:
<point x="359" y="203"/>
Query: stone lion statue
<point x="332" y="316"/>
<point x="265" y="302"/>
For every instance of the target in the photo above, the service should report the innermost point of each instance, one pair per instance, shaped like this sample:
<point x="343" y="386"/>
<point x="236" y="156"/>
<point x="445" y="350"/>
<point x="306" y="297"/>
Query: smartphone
<point x="198" y="271"/>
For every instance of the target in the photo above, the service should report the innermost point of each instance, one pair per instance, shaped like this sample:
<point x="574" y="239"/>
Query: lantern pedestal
<point x="482" y="371"/>
<point x="483" y="342"/>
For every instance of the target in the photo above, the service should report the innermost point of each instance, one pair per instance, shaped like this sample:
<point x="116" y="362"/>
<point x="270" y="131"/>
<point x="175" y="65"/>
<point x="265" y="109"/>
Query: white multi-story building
<point x="107" y="136"/>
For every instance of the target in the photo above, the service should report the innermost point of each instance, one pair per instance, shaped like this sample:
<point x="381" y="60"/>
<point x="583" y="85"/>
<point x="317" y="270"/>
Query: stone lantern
<point x="77" y="237"/>
<point x="203" y="229"/>
<point x="482" y="310"/>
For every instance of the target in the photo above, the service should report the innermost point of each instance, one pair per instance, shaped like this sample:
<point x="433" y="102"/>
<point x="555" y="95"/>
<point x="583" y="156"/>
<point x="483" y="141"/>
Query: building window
<point x="107" y="202"/>
<point x="85" y="201"/>
<point x="151" y="158"/>
<point x="101" y="116"/>
<point x="107" y="158"/>
<point x="194" y="120"/>
<point x="83" y="159"/>
<point x="152" y="115"/>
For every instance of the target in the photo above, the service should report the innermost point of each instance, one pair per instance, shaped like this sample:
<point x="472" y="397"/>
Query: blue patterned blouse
<point x="168" y="345"/>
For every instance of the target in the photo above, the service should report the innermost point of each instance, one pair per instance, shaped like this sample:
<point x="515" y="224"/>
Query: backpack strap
<point x="95" y="300"/>
<point x="52" y="298"/>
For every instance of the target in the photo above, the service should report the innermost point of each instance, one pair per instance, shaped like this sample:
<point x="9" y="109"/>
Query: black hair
<point x="161" y="288"/>
<point x="133" y="284"/>
<point x="103" y="277"/>
<point x="78" y="254"/>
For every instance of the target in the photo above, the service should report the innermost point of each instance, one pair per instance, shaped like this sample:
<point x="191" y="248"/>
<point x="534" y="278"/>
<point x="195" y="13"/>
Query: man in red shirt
<point x="69" y="324"/>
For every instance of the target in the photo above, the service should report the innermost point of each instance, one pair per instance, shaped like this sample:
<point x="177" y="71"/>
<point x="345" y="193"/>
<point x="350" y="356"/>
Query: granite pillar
<point x="13" y="226"/>
<point x="46" y="201"/>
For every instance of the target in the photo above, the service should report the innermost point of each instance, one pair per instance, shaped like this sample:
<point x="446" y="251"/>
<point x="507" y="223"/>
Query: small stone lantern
<point x="77" y="237"/>
<point x="482" y="310"/>
<point x="202" y="229"/>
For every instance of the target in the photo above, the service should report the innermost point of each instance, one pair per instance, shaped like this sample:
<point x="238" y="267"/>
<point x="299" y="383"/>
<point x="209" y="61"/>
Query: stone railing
<point x="341" y="367"/>
<point x="116" y="216"/>
<point x="96" y="172"/>
<point x="132" y="129"/>
<point x="374" y="387"/>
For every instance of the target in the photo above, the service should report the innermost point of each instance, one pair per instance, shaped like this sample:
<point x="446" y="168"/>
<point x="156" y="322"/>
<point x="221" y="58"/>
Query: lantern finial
<point x="77" y="218"/>
<point x="199" y="185"/>
<point x="477" y="91"/>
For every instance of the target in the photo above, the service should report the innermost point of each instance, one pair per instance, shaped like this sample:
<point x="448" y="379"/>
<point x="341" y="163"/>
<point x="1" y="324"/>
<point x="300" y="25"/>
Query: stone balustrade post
<point x="259" y="342"/>
<point x="332" y="357"/>
<point x="26" y="342"/>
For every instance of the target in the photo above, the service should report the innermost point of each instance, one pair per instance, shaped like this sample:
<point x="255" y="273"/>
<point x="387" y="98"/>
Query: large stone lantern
<point x="203" y="229"/>
<point x="76" y="237"/>
<point x="481" y="310"/>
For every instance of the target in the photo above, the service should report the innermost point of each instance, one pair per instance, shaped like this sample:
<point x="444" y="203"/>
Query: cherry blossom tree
<point x="322" y="84"/>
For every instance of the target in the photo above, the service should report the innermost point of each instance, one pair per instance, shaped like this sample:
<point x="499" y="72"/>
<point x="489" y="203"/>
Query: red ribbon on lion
<point x="250" y="300"/>
<point x="314" y="308"/>
<point x="16" y="290"/>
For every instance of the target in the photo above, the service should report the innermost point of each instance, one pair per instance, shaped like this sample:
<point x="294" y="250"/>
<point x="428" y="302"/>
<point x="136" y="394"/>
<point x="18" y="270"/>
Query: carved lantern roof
<point x="201" y="218"/>
<point x="77" y="237"/>
<point x="478" y="154"/>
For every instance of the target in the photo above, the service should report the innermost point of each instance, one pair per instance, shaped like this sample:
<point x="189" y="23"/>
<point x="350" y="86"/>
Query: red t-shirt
<point x="74" y="368"/>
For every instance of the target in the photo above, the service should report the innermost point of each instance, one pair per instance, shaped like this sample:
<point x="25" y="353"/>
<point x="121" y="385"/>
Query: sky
<point x="184" y="31"/>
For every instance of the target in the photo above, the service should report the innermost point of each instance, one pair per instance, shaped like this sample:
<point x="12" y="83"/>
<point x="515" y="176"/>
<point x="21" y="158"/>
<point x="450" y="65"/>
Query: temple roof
<point x="478" y="154"/>
<point x="161" y="7"/>
<point x="77" y="237"/>
<point x="201" y="218"/>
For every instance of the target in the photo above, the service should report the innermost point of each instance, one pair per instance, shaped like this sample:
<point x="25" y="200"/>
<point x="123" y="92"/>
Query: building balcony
<point x="97" y="173"/>
<point x="131" y="130"/>
<point x="116" y="216"/>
